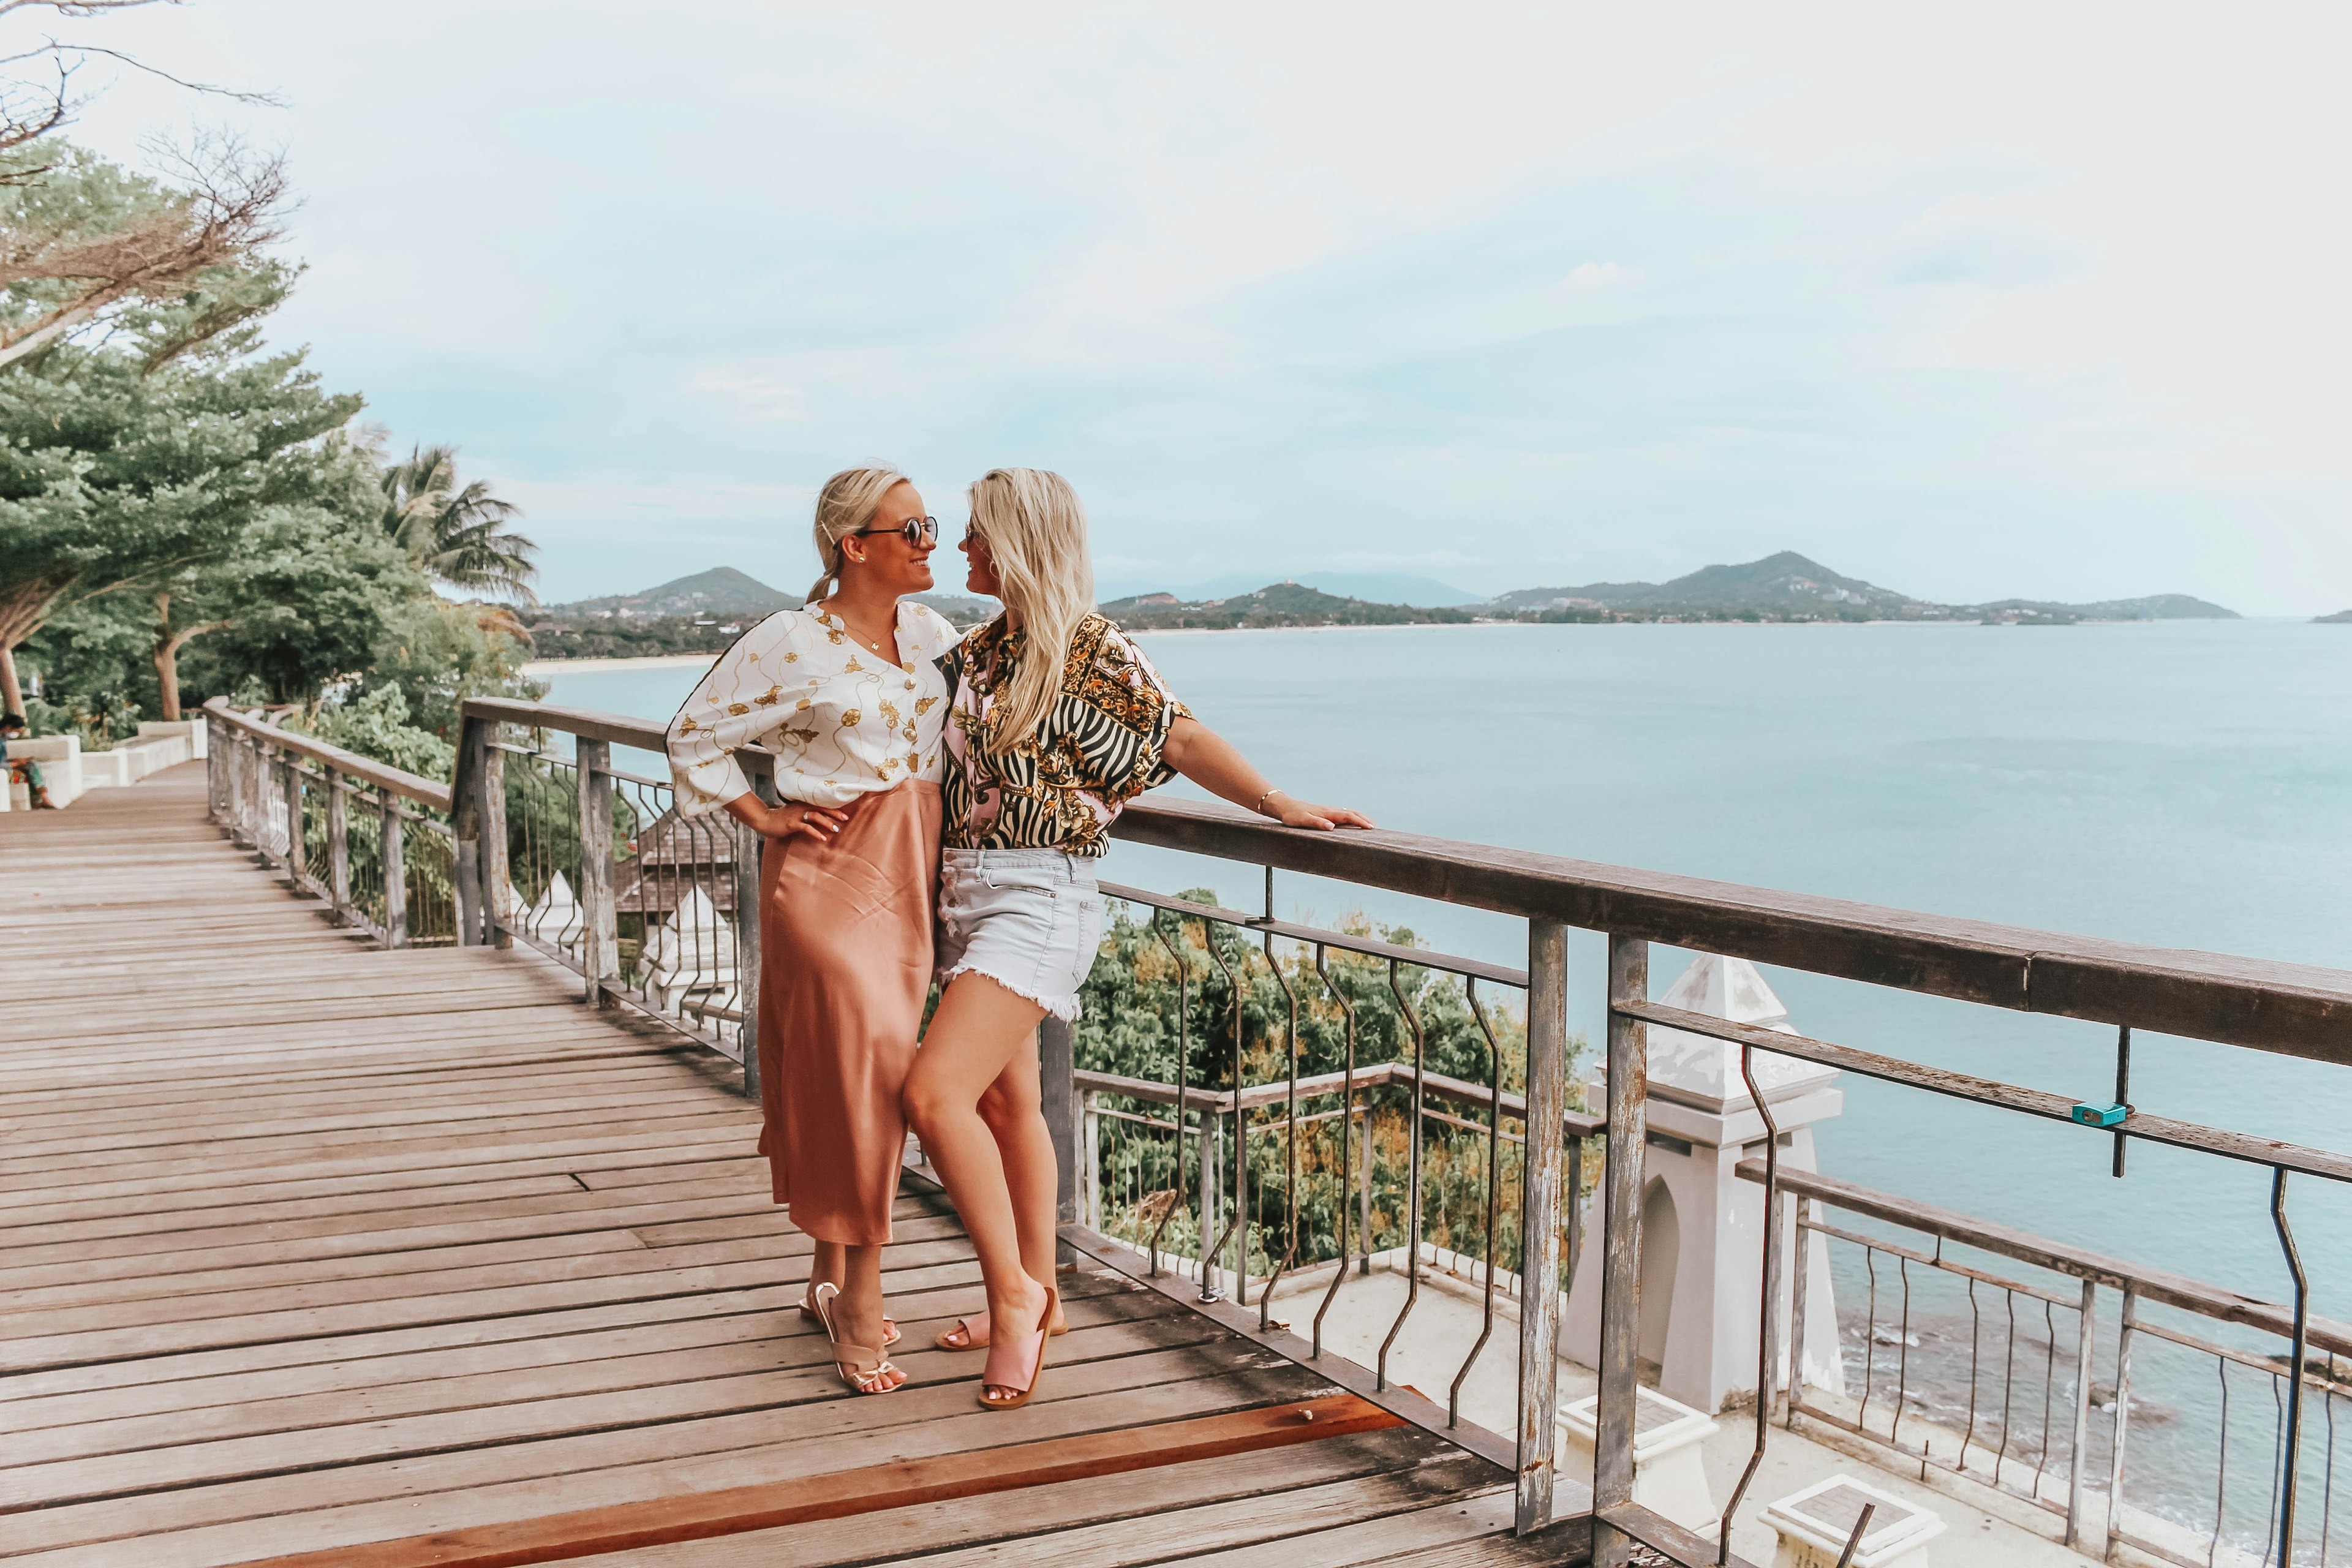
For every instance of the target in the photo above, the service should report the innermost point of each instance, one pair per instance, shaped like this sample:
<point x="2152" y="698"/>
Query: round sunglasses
<point x="917" y="531"/>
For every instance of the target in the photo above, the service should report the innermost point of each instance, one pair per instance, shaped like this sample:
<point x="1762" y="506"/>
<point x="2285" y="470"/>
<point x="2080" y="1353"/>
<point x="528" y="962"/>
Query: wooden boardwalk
<point x="319" y="1253"/>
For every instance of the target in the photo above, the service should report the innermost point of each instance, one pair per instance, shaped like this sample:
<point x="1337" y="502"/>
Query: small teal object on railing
<point x="2101" y="1115"/>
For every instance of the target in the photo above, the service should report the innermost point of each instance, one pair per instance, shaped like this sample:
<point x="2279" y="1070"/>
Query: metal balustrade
<point x="1244" y="1151"/>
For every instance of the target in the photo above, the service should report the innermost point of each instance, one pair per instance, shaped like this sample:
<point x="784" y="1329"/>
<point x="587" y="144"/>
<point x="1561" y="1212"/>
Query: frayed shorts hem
<point x="1066" y="1008"/>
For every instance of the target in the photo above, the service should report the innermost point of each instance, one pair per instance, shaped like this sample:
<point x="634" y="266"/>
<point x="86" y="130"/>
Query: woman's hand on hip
<point x="1307" y="814"/>
<point x="821" y="824"/>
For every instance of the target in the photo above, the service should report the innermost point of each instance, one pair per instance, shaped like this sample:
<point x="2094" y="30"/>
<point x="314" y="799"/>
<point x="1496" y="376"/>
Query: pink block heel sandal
<point x="1006" y="1362"/>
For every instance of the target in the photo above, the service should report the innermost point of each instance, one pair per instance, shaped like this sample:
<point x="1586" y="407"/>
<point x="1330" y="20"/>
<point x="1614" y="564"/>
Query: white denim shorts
<point x="1030" y="920"/>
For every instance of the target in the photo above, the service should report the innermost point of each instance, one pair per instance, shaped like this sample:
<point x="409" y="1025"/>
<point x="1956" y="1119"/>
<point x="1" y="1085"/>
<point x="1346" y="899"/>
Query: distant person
<point x="848" y="694"/>
<point x="1056" y="722"/>
<point x="23" y="771"/>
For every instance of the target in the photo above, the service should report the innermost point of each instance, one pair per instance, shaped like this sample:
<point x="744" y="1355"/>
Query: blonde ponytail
<point x="1036" y="534"/>
<point x="845" y="504"/>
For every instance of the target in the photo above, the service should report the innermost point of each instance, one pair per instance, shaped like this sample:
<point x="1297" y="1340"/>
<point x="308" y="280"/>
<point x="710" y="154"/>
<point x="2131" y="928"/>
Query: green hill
<point x="721" y="592"/>
<point x="1276" y="604"/>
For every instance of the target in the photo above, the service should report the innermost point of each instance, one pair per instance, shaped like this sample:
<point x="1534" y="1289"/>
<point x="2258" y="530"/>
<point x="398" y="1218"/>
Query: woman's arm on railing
<point x="1217" y="765"/>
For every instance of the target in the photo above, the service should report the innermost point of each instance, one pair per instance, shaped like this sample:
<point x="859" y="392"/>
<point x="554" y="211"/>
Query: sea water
<point x="2182" y="784"/>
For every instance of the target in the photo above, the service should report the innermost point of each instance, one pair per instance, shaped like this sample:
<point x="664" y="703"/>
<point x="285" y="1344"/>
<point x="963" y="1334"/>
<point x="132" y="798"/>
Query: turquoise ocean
<point x="2184" y="784"/>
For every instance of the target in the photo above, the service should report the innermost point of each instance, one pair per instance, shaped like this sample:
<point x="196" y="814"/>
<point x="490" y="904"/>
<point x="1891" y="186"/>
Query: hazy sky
<point x="1970" y="301"/>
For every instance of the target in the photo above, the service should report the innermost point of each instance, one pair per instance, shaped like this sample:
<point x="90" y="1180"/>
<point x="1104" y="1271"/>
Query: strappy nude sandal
<point x="860" y="1366"/>
<point x="972" y="1333"/>
<point x="1011" y="1357"/>
<point x="890" y="1334"/>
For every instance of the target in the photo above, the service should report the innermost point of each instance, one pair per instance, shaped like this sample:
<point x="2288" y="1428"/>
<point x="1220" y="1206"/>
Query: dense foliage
<point x="182" y="507"/>
<point x="1131" y="1025"/>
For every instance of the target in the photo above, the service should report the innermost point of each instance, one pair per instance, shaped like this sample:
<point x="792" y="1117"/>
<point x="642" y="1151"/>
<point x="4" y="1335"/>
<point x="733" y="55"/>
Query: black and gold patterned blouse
<point x="1098" y="748"/>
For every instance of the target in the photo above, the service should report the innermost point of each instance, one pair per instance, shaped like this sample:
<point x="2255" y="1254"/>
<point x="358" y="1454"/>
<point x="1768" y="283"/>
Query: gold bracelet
<point x="1259" y="808"/>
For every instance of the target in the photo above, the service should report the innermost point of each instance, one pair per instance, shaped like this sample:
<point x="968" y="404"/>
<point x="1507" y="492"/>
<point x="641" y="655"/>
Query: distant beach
<point x="653" y="661"/>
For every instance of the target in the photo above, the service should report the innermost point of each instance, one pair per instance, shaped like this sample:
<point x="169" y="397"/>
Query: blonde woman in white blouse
<point x="846" y="693"/>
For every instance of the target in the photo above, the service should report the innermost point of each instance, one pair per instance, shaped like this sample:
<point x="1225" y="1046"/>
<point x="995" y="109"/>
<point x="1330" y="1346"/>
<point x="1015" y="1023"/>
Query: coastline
<point x="646" y="661"/>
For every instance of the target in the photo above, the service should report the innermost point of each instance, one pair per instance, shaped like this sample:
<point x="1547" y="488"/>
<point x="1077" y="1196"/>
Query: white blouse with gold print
<point x="842" y="718"/>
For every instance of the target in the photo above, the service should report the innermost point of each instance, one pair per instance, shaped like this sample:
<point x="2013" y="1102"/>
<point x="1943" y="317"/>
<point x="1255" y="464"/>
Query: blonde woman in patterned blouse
<point x="847" y="693"/>
<point x="1055" y="722"/>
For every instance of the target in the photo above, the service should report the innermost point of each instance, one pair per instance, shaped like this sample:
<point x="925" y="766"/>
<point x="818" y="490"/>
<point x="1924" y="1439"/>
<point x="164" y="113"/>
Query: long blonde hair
<point x="1036" y="534"/>
<point x="845" y="505"/>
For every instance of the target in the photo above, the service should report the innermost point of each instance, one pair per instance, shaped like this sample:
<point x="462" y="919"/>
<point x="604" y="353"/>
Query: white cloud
<point x="1598" y="277"/>
<point x="754" y="396"/>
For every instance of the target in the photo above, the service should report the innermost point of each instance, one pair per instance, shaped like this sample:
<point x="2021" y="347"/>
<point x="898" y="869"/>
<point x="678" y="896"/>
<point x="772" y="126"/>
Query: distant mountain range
<point x="2340" y="618"/>
<point x="1782" y="587"/>
<point x="1373" y="588"/>
<point x="1788" y="586"/>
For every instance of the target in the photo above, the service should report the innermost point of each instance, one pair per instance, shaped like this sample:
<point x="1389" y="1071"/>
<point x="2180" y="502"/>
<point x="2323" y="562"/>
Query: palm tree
<point x="456" y="535"/>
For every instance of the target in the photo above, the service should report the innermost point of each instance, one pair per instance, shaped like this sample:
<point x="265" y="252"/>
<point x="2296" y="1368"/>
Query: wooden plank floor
<point x="305" y="1245"/>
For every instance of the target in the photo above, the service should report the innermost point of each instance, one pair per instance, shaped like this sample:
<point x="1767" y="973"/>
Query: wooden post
<point x="1057" y="1045"/>
<point x="498" y="875"/>
<point x="1090" y="1151"/>
<point x="600" y="941"/>
<point x="465" y="828"/>
<point x="2081" y="1452"/>
<point x="216" y="767"/>
<point x="298" y="854"/>
<point x="1212" y="1128"/>
<point x="233" y="768"/>
<point x="1539" y="1222"/>
<point x="1621" y="1245"/>
<point x="395" y="874"/>
<point x="338" y="847"/>
<point x="277" y="784"/>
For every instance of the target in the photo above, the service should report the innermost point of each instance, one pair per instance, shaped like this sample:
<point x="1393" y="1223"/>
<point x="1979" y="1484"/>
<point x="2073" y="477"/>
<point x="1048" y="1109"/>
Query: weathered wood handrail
<point x="2296" y="1009"/>
<point x="367" y="770"/>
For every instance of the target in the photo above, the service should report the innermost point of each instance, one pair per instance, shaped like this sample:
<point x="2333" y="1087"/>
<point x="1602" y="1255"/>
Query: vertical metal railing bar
<point x="1624" y="1181"/>
<point x="2123" y="1093"/>
<point x="1239" y="1224"/>
<point x="1493" y="1198"/>
<point x="2291" y="1436"/>
<point x="1808" y="1210"/>
<point x="1290" y="1133"/>
<point x="1976" y="1335"/>
<point x="2327" y="1491"/>
<point x="2221" y="1471"/>
<point x="1869" y="1336"/>
<point x="2049" y="1390"/>
<point x="2007" y="1385"/>
<point x="1902" y="1354"/>
<point x="1183" y="1082"/>
<point x="2278" y="1447"/>
<point x="1412" y="1183"/>
<point x="1769" y="1305"/>
<point x="1347" y="1139"/>
<point x="1853" y="1541"/>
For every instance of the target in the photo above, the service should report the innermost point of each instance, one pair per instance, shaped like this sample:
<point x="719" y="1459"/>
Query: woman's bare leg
<point x="857" y="1313"/>
<point x="1015" y="1109"/>
<point x="979" y="1028"/>
<point x="827" y="1267"/>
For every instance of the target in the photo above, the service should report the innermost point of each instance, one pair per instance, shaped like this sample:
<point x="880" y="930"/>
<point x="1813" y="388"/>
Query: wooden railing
<point x="2297" y="1011"/>
<point x="293" y="798"/>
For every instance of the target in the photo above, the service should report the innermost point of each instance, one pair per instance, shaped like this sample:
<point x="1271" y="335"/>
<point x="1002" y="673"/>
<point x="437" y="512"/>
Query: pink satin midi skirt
<point x="844" y="966"/>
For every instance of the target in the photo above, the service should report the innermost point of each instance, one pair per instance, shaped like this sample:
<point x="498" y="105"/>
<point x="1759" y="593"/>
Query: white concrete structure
<point x="1702" y="1225"/>
<point x="691" y="956"/>
<point x="157" y="746"/>
<point x="61" y="759"/>
<point x="1814" y="1525"/>
<point x="1669" y="1456"/>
